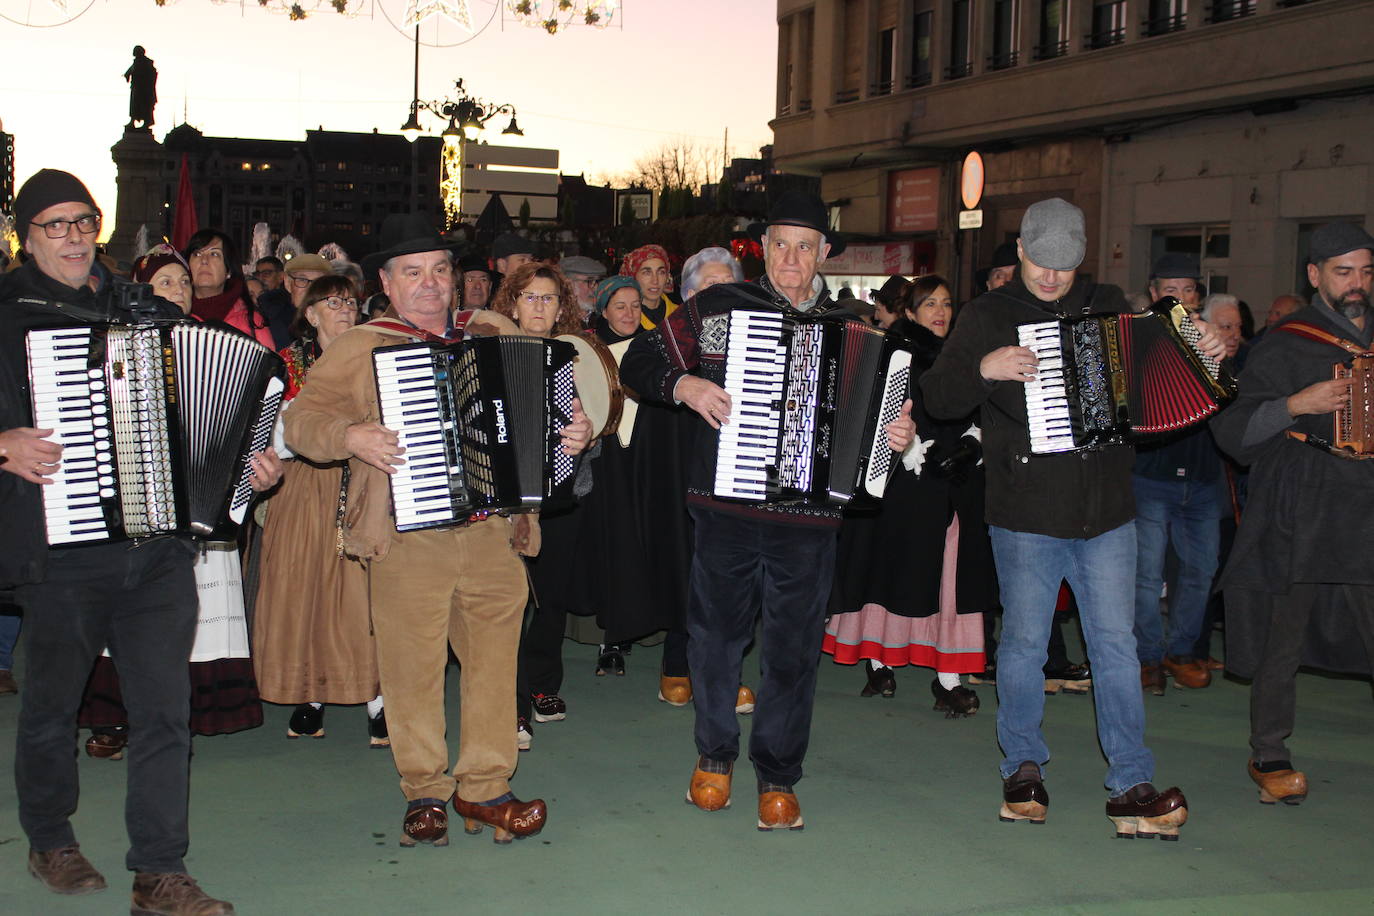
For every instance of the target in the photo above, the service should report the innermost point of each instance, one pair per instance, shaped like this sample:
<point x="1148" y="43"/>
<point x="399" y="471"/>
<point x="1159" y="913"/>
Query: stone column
<point x="139" y="182"/>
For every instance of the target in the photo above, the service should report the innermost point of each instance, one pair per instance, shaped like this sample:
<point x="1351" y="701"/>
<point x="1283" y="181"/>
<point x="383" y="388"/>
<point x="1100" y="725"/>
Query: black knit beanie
<point x="47" y="188"/>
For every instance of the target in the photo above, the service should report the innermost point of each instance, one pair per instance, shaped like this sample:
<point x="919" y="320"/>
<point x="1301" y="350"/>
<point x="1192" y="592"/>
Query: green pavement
<point x="900" y="806"/>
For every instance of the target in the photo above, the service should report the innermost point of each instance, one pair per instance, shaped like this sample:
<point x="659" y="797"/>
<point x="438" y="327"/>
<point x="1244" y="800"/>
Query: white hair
<point x="691" y="268"/>
<point x="1215" y="301"/>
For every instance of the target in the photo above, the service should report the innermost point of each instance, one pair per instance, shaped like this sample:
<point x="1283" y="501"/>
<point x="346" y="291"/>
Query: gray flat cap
<point x="1053" y="236"/>
<point x="582" y="266"/>
<point x="1336" y="239"/>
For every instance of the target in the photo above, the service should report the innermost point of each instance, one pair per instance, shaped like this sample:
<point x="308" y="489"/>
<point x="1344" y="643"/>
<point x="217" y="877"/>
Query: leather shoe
<point x="1285" y="784"/>
<point x="426" y="822"/>
<point x="8" y="684"/>
<point x="1024" y="797"/>
<point x="744" y="701"/>
<point x="306" y="720"/>
<point x="66" y="871"/>
<point x="675" y="691"/>
<point x="1214" y="665"/>
<point x="107" y="746"/>
<point x="174" y="894"/>
<point x="1075" y="679"/>
<point x="710" y="786"/>
<point x="1144" y="812"/>
<point x="880" y="681"/>
<point x="779" y="808"/>
<point x="1152" y="679"/>
<point x="509" y="817"/>
<point x="1187" y="672"/>
<point x="955" y="703"/>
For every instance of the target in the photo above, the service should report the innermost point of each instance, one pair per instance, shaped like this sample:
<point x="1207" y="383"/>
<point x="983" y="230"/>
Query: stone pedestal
<point x="141" y="186"/>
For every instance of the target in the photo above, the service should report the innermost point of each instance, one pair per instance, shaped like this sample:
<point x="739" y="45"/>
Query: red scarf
<point x="214" y="308"/>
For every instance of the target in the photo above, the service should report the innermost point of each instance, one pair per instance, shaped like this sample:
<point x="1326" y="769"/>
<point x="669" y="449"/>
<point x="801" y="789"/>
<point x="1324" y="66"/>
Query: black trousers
<point x="141" y="602"/>
<point x="539" y="668"/>
<point x="739" y="568"/>
<point x="1274" y="690"/>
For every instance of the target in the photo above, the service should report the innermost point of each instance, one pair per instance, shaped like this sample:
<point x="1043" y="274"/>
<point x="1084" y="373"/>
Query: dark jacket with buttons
<point x="1067" y="495"/>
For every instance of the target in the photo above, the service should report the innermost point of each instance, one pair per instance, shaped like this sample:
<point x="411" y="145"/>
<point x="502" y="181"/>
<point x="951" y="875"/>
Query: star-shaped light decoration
<point x="60" y="5"/>
<point x="417" y="11"/>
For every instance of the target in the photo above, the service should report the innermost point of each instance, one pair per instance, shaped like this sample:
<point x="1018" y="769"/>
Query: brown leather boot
<point x="1152" y="679"/>
<point x="1188" y="672"/>
<point x="174" y="894"/>
<point x="509" y="817"/>
<point x="65" y="871"/>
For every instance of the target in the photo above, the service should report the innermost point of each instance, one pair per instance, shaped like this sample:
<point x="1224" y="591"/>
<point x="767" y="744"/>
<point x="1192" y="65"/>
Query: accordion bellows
<point x="156" y="424"/>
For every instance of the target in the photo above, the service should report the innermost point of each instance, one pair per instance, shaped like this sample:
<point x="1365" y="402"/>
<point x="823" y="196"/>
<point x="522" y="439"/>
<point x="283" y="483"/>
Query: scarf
<point x="215" y="308"/>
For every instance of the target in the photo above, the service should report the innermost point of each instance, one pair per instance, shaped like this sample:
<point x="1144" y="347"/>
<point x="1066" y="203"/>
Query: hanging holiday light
<point x="555" y="15"/>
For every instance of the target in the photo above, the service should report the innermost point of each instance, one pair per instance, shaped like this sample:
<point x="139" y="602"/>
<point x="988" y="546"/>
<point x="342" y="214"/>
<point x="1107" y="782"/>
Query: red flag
<point x="184" y="223"/>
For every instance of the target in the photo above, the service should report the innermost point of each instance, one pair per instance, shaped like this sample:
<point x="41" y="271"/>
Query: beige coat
<point x="340" y="391"/>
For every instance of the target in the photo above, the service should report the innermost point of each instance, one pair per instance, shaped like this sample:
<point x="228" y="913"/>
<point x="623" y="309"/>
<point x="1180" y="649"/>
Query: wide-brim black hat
<point x="891" y="289"/>
<point x="797" y="208"/>
<point x="410" y="233"/>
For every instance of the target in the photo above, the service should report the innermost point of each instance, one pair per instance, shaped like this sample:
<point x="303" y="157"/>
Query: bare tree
<point x="679" y="164"/>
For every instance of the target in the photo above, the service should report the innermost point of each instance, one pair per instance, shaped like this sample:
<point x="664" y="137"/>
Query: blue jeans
<point x="9" y="634"/>
<point x="1100" y="571"/>
<point x="1188" y="514"/>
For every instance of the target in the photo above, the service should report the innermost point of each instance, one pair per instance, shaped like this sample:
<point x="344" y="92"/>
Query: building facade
<point x="1221" y="128"/>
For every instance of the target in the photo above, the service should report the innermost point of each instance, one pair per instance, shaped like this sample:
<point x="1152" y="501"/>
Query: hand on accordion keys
<point x="1209" y="344"/>
<point x="27" y="453"/>
<point x="1321" y="397"/>
<point x="578" y="433"/>
<point x="267" y="469"/>
<point x="707" y="398"/>
<point x="902" y="430"/>
<point x="1009" y="364"/>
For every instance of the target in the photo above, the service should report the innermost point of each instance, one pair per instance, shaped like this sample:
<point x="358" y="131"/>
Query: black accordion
<point x="480" y="421"/>
<point x="156" y="423"/>
<point x="1104" y="379"/>
<point x="810" y="399"/>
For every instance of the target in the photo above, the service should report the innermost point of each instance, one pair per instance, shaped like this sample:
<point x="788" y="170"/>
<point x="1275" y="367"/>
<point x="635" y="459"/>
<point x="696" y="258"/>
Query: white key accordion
<point x="480" y="421"/>
<point x="1104" y="379"/>
<point x="810" y="400"/>
<point x="156" y="423"/>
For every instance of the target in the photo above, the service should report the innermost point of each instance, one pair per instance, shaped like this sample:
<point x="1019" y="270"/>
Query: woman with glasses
<point x="312" y="636"/>
<point x="217" y="283"/>
<point x="540" y="300"/>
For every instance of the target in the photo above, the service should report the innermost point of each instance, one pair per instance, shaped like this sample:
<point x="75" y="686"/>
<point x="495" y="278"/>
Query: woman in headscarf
<point x="649" y="267"/>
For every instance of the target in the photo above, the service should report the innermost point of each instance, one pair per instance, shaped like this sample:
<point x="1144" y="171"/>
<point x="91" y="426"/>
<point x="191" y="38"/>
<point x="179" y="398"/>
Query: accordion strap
<point x="1312" y="332"/>
<point x="460" y="323"/>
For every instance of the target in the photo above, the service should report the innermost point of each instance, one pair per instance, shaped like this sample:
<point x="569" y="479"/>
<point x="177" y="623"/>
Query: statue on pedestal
<point x="142" y="79"/>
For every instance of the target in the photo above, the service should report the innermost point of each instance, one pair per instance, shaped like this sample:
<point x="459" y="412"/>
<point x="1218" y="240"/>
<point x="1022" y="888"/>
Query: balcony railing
<point x="846" y="95"/>
<point x="1105" y="39"/>
<point x="1163" y="25"/>
<point x="916" y="80"/>
<point x="1051" y="51"/>
<point x="1002" y="60"/>
<point x="1228" y="10"/>
<point x="958" y="71"/>
<point x="882" y="87"/>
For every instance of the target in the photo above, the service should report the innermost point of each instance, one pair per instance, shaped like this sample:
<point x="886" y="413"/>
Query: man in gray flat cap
<point x="584" y="273"/>
<point x="1299" y="585"/>
<point x="1054" y="516"/>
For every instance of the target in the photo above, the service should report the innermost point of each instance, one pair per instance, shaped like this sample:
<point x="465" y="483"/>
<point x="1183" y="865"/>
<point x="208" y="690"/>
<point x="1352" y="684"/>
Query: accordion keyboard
<point x="70" y="399"/>
<point x="410" y="407"/>
<point x="756" y="370"/>
<point x="1048" y="415"/>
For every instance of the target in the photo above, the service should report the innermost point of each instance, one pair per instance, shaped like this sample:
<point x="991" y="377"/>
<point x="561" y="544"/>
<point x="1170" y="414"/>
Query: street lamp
<point x="466" y="115"/>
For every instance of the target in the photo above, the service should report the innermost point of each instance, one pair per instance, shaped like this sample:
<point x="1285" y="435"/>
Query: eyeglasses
<point x="265" y="273"/>
<point x="337" y="302"/>
<point x="61" y="228"/>
<point x="298" y="282"/>
<point x="532" y="299"/>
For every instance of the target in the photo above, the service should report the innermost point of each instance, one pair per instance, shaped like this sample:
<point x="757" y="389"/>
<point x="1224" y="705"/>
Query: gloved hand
<point x="955" y="463"/>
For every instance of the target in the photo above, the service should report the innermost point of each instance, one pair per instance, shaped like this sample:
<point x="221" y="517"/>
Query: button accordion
<point x="480" y="421"/>
<point x="156" y="424"/>
<point x="810" y="399"/>
<point x="1355" y="420"/>
<point x="1102" y="379"/>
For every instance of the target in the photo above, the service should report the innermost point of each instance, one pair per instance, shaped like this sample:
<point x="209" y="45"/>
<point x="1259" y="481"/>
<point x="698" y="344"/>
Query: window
<point x="807" y="31"/>
<point x="852" y="57"/>
<point x="1004" y="29"/>
<point x="922" y="26"/>
<point x="959" y="35"/>
<point x="886" y="74"/>
<point x="343" y="187"/>
<point x="1109" y="23"/>
<point x="1210" y="245"/>
<point x="1166" y="16"/>
<point x="1054" y="30"/>
<point x="786" y="67"/>
<point x="341" y="166"/>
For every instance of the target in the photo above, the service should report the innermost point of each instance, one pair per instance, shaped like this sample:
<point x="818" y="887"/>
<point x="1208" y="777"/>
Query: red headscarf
<point x="158" y="257"/>
<point x="635" y="260"/>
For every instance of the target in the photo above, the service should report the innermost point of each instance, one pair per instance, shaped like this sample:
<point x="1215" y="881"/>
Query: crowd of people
<point x="323" y="601"/>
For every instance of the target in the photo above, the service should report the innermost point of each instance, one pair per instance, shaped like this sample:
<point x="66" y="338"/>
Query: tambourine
<point x="598" y="383"/>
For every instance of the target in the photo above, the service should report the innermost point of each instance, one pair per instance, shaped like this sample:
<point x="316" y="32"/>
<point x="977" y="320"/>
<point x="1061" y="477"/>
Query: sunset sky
<point x="603" y="97"/>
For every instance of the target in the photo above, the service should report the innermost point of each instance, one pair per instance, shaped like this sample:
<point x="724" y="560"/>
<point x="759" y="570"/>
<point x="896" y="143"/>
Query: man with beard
<point x="1299" y="585"/>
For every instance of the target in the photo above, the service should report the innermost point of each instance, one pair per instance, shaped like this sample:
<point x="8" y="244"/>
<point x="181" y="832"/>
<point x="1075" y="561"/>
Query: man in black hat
<point x="1180" y="499"/>
<point x="139" y="598"/>
<point x="1299" y="585"/>
<point x="749" y="556"/>
<point x="462" y="586"/>
<point x="1003" y="266"/>
<point x="510" y="251"/>
<point x="477" y="282"/>
<point x="886" y="301"/>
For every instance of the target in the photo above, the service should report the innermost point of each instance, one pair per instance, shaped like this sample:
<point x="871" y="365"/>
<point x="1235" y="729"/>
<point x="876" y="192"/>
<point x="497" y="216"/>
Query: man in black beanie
<point x="138" y="599"/>
<point x="1299" y="585"/>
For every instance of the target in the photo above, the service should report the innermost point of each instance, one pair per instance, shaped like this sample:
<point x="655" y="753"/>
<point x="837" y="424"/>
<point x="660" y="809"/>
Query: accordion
<point x="810" y="400"/>
<point x="1355" y="421"/>
<point x="480" y="421"/>
<point x="156" y="423"/>
<point x="1104" y="378"/>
